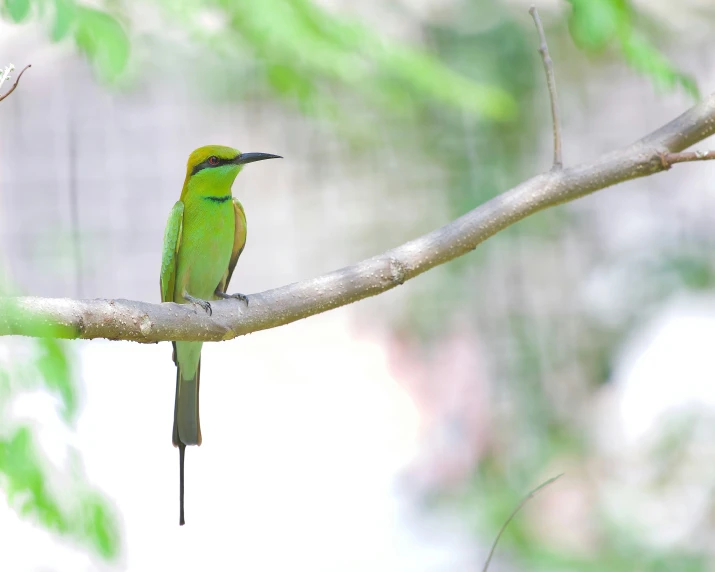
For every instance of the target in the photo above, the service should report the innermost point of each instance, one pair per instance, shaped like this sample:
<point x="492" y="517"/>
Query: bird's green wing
<point x="239" y="242"/>
<point x="172" y="241"/>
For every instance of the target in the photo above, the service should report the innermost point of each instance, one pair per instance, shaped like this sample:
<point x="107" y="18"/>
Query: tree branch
<point x="148" y="323"/>
<point x="151" y="323"/>
<point x="551" y="84"/>
<point x="4" y="76"/>
<point x="669" y="159"/>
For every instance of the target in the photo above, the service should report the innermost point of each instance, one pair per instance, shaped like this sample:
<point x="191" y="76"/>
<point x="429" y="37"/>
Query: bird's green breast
<point x="206" y="244"/>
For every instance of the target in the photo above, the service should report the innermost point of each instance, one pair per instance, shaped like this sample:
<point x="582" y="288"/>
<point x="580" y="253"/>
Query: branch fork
<point x="670" y="159"/>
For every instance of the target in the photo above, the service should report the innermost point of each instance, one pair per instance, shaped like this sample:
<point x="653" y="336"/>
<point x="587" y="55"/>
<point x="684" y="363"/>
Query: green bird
<point x="204" y="237"/>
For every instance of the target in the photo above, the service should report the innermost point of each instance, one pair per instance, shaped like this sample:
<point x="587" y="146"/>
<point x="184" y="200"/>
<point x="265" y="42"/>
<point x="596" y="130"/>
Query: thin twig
<point x="669" y="159"/>
<point x="551" y="83"/>
<point x="525" y="500"/>
<point x="16" y="82"/>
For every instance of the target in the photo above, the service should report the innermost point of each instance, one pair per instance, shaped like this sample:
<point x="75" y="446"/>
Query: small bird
<point x="204" y="237"/>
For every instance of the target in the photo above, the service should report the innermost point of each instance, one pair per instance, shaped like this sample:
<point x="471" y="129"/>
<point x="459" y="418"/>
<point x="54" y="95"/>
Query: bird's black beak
<point x="244" y="158"/>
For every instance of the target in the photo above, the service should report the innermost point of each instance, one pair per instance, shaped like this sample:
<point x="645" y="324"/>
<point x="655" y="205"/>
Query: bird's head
<point x="216" y="166"/>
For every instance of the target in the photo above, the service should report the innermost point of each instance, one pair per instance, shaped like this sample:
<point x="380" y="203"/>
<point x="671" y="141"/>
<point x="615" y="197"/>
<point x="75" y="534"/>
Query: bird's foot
<point x="242" y="297"/>
<point x="199" y="302"/>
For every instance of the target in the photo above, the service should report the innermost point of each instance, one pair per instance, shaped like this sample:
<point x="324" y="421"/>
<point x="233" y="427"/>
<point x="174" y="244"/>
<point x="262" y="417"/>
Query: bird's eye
<point x="213" y="160"/>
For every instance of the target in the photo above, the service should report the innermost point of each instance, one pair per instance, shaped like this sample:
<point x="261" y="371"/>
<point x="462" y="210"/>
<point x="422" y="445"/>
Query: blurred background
<point x="397" y="433"/>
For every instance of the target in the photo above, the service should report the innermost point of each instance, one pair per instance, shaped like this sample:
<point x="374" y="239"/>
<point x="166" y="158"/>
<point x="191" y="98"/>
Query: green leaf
<point x="53" y="363"/>
<point x="18" y="9"/>
<point x="27" y="483"/>
<point x="99" y="526"/>
<point x="65" y="14"/>
<point x="645" y="58"/>
<point x="595" y="23"/>
<point x="103" y="40"/>
<point x="296" y="39"/>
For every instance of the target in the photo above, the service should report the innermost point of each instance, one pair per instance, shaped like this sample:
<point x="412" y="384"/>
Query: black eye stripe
<point x="208" y="165"/>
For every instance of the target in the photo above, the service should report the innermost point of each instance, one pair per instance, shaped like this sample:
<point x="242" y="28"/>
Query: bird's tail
<point x="187" y="426"/>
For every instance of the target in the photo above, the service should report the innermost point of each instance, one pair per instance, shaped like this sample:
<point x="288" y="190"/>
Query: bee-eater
<point x="204" y="237"/>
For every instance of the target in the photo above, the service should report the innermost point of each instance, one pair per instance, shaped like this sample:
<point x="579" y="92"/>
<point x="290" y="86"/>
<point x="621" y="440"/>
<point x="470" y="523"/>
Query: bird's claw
<point x="204" y="304"/>
<point x="242" y="297"/>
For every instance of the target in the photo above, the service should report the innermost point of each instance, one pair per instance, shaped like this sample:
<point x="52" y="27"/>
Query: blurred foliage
<point x="32" y="492"/>
<point x="685" y="269"/>
<point x="300" y="45"/>
<point x="99" y="35"/>
<point x="488" y="42"/>
<point x="298" y="48"/>
<point x="488" y="500"/>
<point x="58" y="497"/>
<point x="483" y="158"/>
<point x="302" y="52"/>
<point x="600" y="24"/>
<point x="53" y="364"/>
<point x="17" y="9"/>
